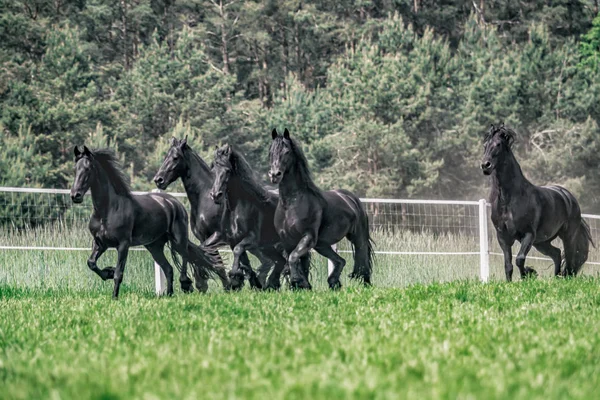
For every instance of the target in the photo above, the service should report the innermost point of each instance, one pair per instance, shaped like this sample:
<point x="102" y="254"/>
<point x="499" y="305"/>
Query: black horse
<point x="533" y="215"/>
<point x="308" y="217"/>
<point x="121" y="220"/>
<point x="252" y="210"/>
<point x="209" y="221"/>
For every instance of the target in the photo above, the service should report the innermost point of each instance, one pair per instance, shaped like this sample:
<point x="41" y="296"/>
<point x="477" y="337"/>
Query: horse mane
<point x="301" y="164"/>
<point x="507" y="134"/>
<point x="107" y="160"/>
<point x="245" y="173"/>
<point x="191" y="152"/>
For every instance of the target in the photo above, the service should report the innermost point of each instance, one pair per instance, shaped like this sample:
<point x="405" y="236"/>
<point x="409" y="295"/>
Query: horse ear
<point x="76" y="151"/>
<point x="274" y="133"/>
<point x="228" y="149"/>
<point x="286" y="134"/>
<point x="86" y="151"/>
<point x="183" y="142"/>
<point x="174" y="141"/>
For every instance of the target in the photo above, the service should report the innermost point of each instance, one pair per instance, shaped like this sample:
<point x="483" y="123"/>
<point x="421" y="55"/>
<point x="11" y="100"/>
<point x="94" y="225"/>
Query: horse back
<point x="157" y="214"/>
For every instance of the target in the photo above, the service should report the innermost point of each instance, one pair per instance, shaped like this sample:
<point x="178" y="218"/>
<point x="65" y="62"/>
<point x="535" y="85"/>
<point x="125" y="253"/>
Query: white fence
<point x="390" y="221"/>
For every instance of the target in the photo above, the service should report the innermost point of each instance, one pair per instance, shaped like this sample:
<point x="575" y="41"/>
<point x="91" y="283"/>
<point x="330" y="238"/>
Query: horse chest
<point x="293" y="225"/>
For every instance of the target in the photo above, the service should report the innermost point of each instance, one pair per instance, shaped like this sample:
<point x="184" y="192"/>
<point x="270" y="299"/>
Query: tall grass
<point x="68" y="269"/>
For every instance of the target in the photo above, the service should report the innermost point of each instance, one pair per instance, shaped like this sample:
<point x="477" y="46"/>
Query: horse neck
<point x="237" y="192"/>
<point x="104" y="196"/>
<point x="508" y="179"/>
<point x="291" y="186"/>
<point x="197" y="180"/>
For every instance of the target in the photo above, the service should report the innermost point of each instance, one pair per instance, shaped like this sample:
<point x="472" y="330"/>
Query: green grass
<point x="533" y="339"/>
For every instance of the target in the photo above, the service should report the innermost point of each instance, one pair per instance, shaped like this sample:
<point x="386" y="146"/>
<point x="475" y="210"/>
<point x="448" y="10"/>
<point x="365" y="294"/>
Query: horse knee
<point x="293" y="258"/>
<point x="91" y="264"/>
<point x="520" y="260"/>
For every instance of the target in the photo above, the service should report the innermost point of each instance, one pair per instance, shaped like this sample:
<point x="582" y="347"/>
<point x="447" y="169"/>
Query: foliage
<point x="388" y="99"/>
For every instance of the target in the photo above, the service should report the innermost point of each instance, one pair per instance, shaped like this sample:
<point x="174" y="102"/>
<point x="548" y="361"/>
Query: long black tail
<point x="208" y="262"/>
<point x="362" y="246"/>
<point x="175" y="257"/>
<point x="577" y="249"/>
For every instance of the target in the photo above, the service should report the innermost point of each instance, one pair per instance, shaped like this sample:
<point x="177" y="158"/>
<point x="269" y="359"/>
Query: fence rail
<point x="390" y="221"/>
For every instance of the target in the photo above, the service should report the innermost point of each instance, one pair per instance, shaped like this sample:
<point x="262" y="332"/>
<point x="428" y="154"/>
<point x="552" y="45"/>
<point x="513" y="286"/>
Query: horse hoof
<point x="300" y="285"/>
<point x="336" y="285"/>
<point x="530" y="273"/>
<point x="236" y="282"/>
<point x="108" y="273"/>
<point x="272" y="287"/>
<point x="186" y="287"/>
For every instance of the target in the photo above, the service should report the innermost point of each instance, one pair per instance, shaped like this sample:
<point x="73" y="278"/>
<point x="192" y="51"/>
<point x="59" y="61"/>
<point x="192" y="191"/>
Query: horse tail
<point x="175" y="257"/>
<point x="577" y="250"/>
<point x="206" y="263"/>
<point x="362" y="246"/>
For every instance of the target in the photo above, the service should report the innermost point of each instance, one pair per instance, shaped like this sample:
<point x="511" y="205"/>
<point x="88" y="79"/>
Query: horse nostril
<point x="278" y="173"/>
<point x="216" y="195"/>
<point x="159" y="180"/>
<point x="486" y="165"/>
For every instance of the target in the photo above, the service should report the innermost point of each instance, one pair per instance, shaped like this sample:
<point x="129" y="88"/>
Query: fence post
<point x="160" y="280"/>
<point x="484" y="255"/>
<point x="330" y="265"/>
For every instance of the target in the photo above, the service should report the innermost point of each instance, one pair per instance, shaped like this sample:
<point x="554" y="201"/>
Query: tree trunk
<point x="284" y="57"/>
<point x="124" y="27"/>
<point x="416" y="6"/>
<point x="224" y="40"/>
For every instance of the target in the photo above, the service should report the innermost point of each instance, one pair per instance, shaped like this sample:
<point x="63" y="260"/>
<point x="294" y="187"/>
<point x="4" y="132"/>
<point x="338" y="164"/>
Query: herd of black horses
<point x="231" y="207"/>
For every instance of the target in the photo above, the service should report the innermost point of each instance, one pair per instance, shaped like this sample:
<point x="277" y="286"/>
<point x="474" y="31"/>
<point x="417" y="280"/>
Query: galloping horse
<point x="208" y="219"/>
<point x="121" y="220"/>
<point x="236" y="184"/>
<point x="308" y="217"/>
<point x="533" y="215"/>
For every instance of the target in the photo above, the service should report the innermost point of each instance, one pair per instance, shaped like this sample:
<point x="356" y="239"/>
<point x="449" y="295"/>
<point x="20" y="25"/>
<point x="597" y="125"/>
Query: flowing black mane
<point x="191" y="153"/>
<point x="240" y="167"/>
<point x="506" y="133"/>
<point x="107" y="160"/>
<point x="301" y="164"/>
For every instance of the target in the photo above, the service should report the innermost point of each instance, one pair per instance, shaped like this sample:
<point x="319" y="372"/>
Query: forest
<point x="389" y="98"/>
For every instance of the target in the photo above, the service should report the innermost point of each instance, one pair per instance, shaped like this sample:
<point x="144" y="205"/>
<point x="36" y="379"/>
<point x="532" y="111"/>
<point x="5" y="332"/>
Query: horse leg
<point x="255" y="283"/>
<point x="123" y="251"/>
<point x="338" y="265"/>
<point x="97" y="251"/>
<point x="274" y="281"/>
<point x="506" y="246"/>
<point x="236" y="277"/>
<point x="547" y="249"/>
<point x="297" y="278"/>
<point x="265" y="267"/>
<point x="240" y="249"/>
<point x="213" y="240"/>
<point x="157" y="249"/>
<point x="526" y="244"/>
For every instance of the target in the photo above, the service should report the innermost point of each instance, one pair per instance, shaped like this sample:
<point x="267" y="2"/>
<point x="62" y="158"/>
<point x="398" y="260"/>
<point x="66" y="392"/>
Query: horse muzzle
<point x="76" y="197"/>
<point x="275" y="176"/>
<point x="160" y="183"/>
<point x="217" y="197"/>
<point x="487" y="167"/>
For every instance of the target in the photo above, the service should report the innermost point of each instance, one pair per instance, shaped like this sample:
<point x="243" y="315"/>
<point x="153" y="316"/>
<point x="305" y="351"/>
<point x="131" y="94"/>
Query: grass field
<point x="427" y="329"/>
<point x="533" y="339"/>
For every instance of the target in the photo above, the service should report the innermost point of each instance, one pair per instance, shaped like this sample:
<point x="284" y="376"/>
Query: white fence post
<point x="484" y="255"/>
<point x="160" y="280"/>
<point x="330" y="265"/>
